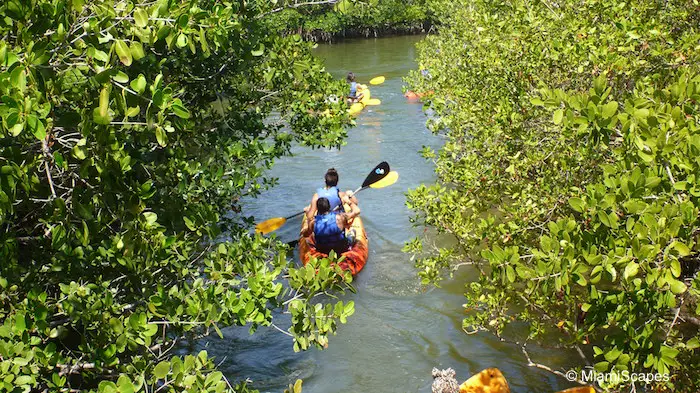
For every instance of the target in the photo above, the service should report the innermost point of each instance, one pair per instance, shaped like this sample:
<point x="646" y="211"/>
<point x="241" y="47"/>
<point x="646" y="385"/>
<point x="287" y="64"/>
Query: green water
<point x="399" y="331"/>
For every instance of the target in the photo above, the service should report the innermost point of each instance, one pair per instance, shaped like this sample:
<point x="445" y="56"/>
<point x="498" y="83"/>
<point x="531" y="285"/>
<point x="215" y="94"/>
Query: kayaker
<point x="353" y="96"/>
<point x="330" y="192"/>
<point x="329" y="226"/>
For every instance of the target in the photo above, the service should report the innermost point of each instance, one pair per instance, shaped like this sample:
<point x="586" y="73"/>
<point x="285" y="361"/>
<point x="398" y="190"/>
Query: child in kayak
<point x="353" y="96"/>
<point x="329" y="226"/>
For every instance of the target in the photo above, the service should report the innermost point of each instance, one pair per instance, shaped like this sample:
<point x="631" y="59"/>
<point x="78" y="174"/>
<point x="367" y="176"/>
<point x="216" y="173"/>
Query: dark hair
<point x="332" y="177"/>
<point x="351" y="77"/>
<point x="322" y="205"/>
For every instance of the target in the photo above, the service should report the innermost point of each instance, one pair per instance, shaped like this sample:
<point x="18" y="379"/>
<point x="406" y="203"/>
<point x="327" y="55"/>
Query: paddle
<point x="377" y="81"/>
<point x="375" y="176"/>
<point x="388" y="180"/>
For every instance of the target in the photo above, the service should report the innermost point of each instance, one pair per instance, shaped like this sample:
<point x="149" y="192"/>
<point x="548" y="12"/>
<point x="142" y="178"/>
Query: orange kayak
<point x="355" y="257"/>
<point x="412" y="95"/>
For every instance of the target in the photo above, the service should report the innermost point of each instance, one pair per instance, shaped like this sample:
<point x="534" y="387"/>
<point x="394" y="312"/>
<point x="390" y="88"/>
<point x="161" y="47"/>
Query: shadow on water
<point x="399" y="331"/>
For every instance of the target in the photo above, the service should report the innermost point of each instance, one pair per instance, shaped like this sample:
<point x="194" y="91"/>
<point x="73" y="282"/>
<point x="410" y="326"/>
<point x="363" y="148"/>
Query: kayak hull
<point x="355" y="258"/>
<point x="357" y="107"/>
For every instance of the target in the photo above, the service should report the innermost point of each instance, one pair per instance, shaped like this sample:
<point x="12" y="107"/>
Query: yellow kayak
<point x="357" y="107"/>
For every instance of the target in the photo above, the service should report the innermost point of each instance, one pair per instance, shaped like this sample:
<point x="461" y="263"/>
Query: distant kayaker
<point x="353" y="96"/>
<point x="329" y="226"/>
<point x="330" y="192"/>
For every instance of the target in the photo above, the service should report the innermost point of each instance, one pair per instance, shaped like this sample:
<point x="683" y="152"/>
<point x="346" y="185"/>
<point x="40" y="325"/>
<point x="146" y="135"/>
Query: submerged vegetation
<point x="129" y="133"/>
<point x="570" y="176"/>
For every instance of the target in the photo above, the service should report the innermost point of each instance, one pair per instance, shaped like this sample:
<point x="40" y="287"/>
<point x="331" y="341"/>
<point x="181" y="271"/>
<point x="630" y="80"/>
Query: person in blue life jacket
<point x="329" y="226"/>
<point x="353" y="96"/>
<point x="331" y="192"/>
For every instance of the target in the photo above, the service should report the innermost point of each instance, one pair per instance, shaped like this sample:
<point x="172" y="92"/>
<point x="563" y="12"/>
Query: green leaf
<point x="161" y="138"/>
<point x="183" y="20"/>
<point x="189" y="223"/>
<point x="139" y="84"/>
<point x="123" y="52"/>
<point x="203" y="41"/>
<point x="140" y="17"/>
<point x="161" y="370"/>
<point x="693" y="343"/>
<point x="124" y="384"/>
<point x="78" y="152"/>
<point x="150" y="217"/>
<point x="181" y="40"/>
<point x="631" y="270"/>
<point x="677" y="287"/>
<point x="558" y="116"/>
<point x="577" y="204"/>
<point x="218" y="331"/>
<point x="180" y="110"/>
<point x="641" y="114"/>
<point x="259" y="51"/>
<point x="604" y="218"/>
<point x="510" y="273"/>
<point x="99" y="119"/>
<point x="37" y="127"/>
<point x="609" y="109"/>
<point x="23" y="380"/>
<point x="676" y="268"/>
<point x="136" y="50"/>
<point x="599" y="84"/>
<point x="610" y="356"/>
<point x="682" y="249"/>
<point x="107" y="387"/>
<point x="18" y="78"/>
<point x="103" y="108"/>
<point x="158" y="98"/>
<point x="120" y="77"/>
<point x="20" y="323"/>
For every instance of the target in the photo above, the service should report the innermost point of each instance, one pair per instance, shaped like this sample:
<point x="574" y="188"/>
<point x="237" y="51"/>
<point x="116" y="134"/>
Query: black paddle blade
<point x="378" y="173"/>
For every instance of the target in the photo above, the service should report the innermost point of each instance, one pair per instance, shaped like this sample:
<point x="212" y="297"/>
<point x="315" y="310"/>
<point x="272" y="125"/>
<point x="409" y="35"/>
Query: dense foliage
<point x="347" y="18"/>
<point x="569" y="178"/>
<point x="129" y="133"/>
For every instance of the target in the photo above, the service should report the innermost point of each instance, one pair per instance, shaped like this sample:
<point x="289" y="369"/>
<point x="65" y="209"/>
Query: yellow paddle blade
<point x="270" y="225"/>
<point x="377" y="81"/>
<point x="388" y="180"/>
<point x="580" y="389"/>
<point x="490" y="380"/>
<point x="373" y="101"/>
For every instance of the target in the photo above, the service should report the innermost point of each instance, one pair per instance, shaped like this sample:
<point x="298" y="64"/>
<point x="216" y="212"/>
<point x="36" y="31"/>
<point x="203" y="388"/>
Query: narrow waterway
<point x="399" y="331"/>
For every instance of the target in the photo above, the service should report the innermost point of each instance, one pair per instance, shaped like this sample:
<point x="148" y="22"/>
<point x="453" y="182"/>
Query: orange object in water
<point x="490" y="380"/>
<point x="412" y="95"/>
<point x="355" y="257"/>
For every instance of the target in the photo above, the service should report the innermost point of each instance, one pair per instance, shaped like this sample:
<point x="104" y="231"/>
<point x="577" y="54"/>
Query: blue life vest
<point x="353" y="89"/>
<point x="332" y="195"/>
<point x="328" y="235"/>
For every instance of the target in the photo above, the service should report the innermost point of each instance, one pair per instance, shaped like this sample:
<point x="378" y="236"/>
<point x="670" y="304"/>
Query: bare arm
<point x="347" y="197"/>
<point x="311" y="209"/>
<point x="308" y="228"/>
<point x="354" y="212"/>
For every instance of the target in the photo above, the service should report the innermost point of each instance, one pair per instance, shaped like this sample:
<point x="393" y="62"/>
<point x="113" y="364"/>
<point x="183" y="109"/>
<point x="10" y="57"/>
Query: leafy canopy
<point x="130" y="130"/>
<point x="569" y="177"/>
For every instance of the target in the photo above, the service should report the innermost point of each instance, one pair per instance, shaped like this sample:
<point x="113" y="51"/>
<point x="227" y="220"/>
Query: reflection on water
<point x="399" y="331"/>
